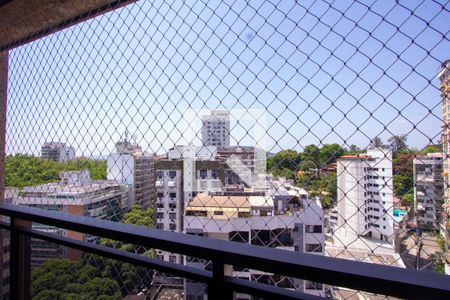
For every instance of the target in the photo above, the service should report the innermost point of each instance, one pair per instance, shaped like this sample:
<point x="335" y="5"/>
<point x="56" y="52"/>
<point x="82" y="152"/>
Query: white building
<point x="364" y="196"/>
<point x="75" y="194"/>
<point x="281" y="218"/>
<point x="57" y="151"/>
<point x="133" y="167"/>
<point x="216" y="129"/>
<point x="428" y="190"/>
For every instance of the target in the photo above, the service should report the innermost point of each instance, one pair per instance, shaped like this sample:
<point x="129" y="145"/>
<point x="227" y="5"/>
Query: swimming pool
<point x="399" y="214"/>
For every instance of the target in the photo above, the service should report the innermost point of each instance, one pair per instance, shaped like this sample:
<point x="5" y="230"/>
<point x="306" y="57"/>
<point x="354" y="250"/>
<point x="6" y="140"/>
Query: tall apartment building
<point x="57" y="151"/>
<point x="428" y="190"/>
<point x="243" y="163"/>
<point x="281" y="218"/>
<point x="133" y="167"/>
<point x="178" y="179"/>
<point x="216" y="129"/>
<point x="444" y="77"/>
<point x="364" y="196"/>
<point x="75" y="194"/>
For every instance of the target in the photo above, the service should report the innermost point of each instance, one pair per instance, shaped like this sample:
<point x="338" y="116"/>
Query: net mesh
<point x="312" y="126"/>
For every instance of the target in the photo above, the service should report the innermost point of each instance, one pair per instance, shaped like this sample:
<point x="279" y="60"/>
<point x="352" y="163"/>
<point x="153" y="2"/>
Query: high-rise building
<point x="216" y="129"/>
<point x="282" y="217"/>
<point x="428" y="190"/>
<point x="444" y="77"/>
<point x="57" y="151"/>
<point x="177" y="181"/>
<point x="134" y="167"/>
<point x="364" y="196"/>
<point x="75" y="194"/>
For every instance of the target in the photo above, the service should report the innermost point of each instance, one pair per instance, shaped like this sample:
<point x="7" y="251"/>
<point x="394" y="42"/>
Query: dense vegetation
<point x="25" y="170"/>
<point x="305" y="168"/>
<point x="95" y="277"/>
<point x="61" y="279"/>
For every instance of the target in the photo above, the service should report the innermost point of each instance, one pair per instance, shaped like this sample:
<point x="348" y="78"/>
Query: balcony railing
<point x="362" y="276"/>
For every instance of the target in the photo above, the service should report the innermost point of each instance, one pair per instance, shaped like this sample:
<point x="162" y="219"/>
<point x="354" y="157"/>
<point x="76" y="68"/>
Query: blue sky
<point x="322" y="71"/>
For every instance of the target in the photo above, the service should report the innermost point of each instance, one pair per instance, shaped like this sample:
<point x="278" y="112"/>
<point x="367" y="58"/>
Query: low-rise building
<point x="75" y="194"/>
<point x="428" y="190"/>
<point x="281" y="218"/>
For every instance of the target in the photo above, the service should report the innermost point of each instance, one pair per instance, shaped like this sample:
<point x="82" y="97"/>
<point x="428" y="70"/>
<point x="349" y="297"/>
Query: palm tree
<point x="376" y="143"/>
<point x="398" y="142"/>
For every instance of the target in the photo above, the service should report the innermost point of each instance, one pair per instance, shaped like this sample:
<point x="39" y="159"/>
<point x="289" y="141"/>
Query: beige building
<point x="282" y="218"/>
<point x="444" y="77"/>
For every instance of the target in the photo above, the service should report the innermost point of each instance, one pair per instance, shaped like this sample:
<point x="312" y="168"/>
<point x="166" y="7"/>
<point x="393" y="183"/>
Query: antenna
<point x="135" y="138"/>
<point x="126" y="136"/>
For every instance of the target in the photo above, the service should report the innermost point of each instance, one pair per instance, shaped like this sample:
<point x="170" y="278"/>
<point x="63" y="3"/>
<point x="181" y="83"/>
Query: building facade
<point x="284" y="219"/>
<point x="133" y="167"/>
<point x="365" y="195"/>
<point x="444" y="77"/>
<point x="216" y="129"/>
<point x="75" y="194"/>
<point x="177" y="181"/>
<point x="57" y="151"/>
<point x="428" y="190"/>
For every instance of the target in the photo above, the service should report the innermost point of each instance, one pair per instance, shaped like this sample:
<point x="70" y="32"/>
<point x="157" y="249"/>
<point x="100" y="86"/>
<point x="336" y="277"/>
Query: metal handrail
<point x="368" y="277"/>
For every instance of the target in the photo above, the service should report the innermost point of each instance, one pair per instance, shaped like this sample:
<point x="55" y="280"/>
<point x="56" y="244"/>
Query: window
<point x="159" y="174"/>
<point x="203" y="174"/>
<point x="172" y="216"/>
<point x="218" y="212"/>
<point x="310" y="285"/>
<point x="172" y="174"/>
<point x="172" y="227"/>
<point x="172" y="195"/>
<point x="313" y="247"/>
<point x="313" y="228"/>
<point x="172" y="258"/>
<point x="160" y="195"/>
<point x="160" y="215"/>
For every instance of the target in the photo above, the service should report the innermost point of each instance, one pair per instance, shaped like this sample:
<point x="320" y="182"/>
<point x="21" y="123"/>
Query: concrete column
<point x="3" y="104"/>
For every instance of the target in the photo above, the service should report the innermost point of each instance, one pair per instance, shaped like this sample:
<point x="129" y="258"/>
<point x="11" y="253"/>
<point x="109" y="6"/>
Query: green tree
<point x="398" y="142"/>
<point x="128" y="276"/>
<point x="431" y="149"/>
<point x="408" y="199"/>
<point x="286" y="159"/>
<point x="402" y="185"/>
<point x="376" y="143"/>
<point x="66" y="279"/>
<point x="25" y="170"/>
<point x="307" y="165"/>
<point x="329" y="153"/>
<point x="311" y="153"/>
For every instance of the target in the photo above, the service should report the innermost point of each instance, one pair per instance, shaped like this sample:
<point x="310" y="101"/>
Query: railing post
<point x="217" y="289"/>
<point x="20" y="261"/>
